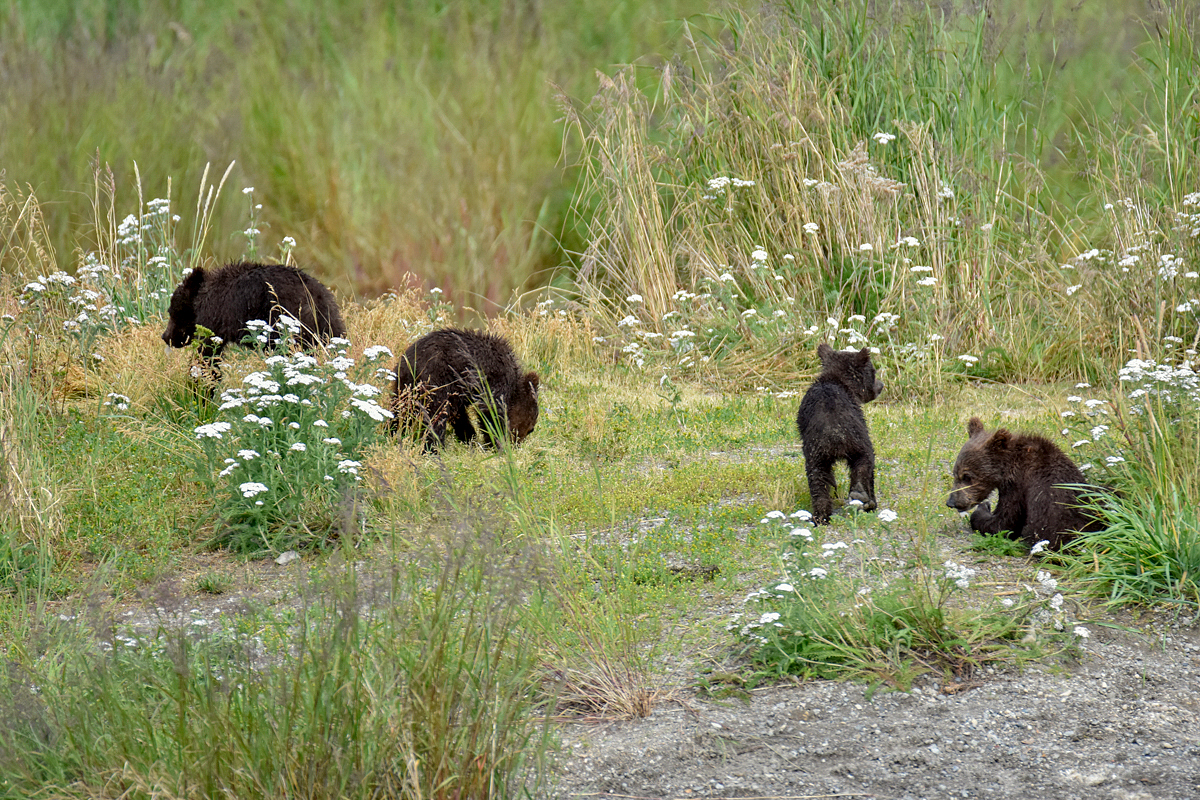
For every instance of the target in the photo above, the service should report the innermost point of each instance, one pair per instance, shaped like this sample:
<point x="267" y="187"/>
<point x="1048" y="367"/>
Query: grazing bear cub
<point x="446" y="372"/>
<point x="225" y="299"/>
<point x="1036" y="481"/>
<point x="833" y="428"/>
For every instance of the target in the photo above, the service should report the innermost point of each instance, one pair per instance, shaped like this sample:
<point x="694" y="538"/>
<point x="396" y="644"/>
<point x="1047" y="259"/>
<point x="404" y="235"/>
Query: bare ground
<point x="1123" y="723"/>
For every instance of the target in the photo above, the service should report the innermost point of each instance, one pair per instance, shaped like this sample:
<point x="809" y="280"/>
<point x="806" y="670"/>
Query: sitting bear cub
<point x="833" y="428"/>
<point x="1039" y="487"/>
<point x="446" y="372"/>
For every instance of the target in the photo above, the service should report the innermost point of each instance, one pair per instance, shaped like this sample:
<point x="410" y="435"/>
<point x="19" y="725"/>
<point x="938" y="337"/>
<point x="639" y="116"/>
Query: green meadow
<point x="241" y="586"/>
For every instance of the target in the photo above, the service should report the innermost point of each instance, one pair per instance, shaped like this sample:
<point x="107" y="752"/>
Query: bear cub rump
<point x="1039" y="487"/>
<point x="446" y="372"/>
<point x="832" y="428"/>
<point x="225" y="299"/>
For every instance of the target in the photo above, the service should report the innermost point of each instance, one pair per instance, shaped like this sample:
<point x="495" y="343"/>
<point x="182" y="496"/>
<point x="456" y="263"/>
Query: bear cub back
<point x="224" y="300"/>
<point x="833" y="428"/>
<point x="1039" y="487"/>
<point x="449" y="371"/>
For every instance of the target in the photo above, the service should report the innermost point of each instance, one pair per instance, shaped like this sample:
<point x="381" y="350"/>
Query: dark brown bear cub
<point x="833" y="428"/>
<point x="1038" y="495"/>
<point x="446" y="372"/>
<point x="225" y="299"/>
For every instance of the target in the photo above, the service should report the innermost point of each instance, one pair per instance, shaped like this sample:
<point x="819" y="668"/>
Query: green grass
<point x="452" y="603"/>
<point x="607" y="556"/>
<point x="427" y="696"/>
<point x="396" y="145"/>
<point x="1149" y="554"/>
<point x="121" y="487"/>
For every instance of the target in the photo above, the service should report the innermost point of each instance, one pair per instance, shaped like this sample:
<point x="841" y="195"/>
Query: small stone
<point x="287" y="557"/>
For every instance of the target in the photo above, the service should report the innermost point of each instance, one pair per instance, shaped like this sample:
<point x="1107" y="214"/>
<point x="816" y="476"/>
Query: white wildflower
<point x="213" y="430"/>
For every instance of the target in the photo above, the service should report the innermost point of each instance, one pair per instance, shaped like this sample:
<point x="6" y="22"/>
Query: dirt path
<point x="1123" y="724"/>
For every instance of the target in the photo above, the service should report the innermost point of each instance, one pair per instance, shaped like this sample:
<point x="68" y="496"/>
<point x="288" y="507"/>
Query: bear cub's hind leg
<point x="862" y="480"/>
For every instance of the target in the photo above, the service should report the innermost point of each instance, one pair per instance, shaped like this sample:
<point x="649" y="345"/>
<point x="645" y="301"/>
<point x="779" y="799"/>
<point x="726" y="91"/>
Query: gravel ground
<point x="1123" y="723"/>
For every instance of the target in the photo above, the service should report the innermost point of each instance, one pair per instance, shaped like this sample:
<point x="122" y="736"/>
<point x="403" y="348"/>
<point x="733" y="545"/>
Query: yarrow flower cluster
<point x="1172" y="384"/>
<point x="808" y="564"/>
<point x="721" y="183"/>
<point x="794" y="524"/>
<point x="960" y="575"/>
<point x="274" y="451"/>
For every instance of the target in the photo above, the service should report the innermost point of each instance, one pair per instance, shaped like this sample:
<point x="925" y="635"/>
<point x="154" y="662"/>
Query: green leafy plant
<point x="284" y="457"/>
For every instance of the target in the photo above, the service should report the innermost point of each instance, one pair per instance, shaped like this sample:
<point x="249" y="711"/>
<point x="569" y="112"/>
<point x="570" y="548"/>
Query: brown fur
<point x="1035" y="481"/>
<point x="225" y="299"/>
<point x="832" y="428"/>
<point x="446" y="372"/>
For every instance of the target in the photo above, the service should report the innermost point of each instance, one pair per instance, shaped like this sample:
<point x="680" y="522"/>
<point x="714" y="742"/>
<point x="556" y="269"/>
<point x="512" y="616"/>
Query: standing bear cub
<point x="225" y="299"/>
<point x="833" y="428"/>
<point x="1039" y="487"/>
<point x="446" y="372"/>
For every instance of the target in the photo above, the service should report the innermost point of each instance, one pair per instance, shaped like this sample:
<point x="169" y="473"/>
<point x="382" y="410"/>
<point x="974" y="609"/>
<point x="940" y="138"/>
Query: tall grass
<point x="398" y="145"/>
<point x="31" y="495"/>
<point x="854" y="160"/>
<point x="1142" y="443"/>
<point x="420" y="684"/>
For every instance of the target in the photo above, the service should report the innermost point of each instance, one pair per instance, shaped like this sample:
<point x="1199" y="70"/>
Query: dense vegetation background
<point x="442" y="144"/>
<point x="397" y="143"/>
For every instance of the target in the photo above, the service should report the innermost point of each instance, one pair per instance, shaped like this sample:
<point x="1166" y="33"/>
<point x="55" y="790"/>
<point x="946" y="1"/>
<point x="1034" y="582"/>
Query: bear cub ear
<point x="195" y="279"/>
<point x="534" y="382"/>
<point x="824" y="352"/>
<point x="974" y="427"/>
<point x="999" y="439"/>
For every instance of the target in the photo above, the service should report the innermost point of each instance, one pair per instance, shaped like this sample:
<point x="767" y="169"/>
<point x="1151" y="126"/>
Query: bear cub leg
<point x="820" y="488"/>
<point x="862" y="481"/>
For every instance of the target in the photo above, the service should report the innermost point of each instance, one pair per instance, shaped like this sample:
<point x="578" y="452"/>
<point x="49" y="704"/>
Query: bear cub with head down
<point x="225" y="299"/>
<point x="833" y="428"/>
<point x="445" y="373"/>
<point x="1038" y="487"/>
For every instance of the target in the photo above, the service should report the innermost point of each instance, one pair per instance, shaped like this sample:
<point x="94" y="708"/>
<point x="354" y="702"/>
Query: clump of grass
<point x="600" y="654"/>
<point x="214" y="583"/>
<point x="431" y="694"/>
<point x="1148" y="555"/>
<point x="840" y="614"/>
<point x="1143" y="442"/>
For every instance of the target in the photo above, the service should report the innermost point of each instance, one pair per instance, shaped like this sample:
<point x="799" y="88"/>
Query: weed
<point x="844" y="608"/>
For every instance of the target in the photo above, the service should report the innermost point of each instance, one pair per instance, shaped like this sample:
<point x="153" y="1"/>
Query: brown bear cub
<point x="1039" y="487"/>
<point x="225" y="299"/>
<point x="833" y="428"/>
<point x="446" y="372"/>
